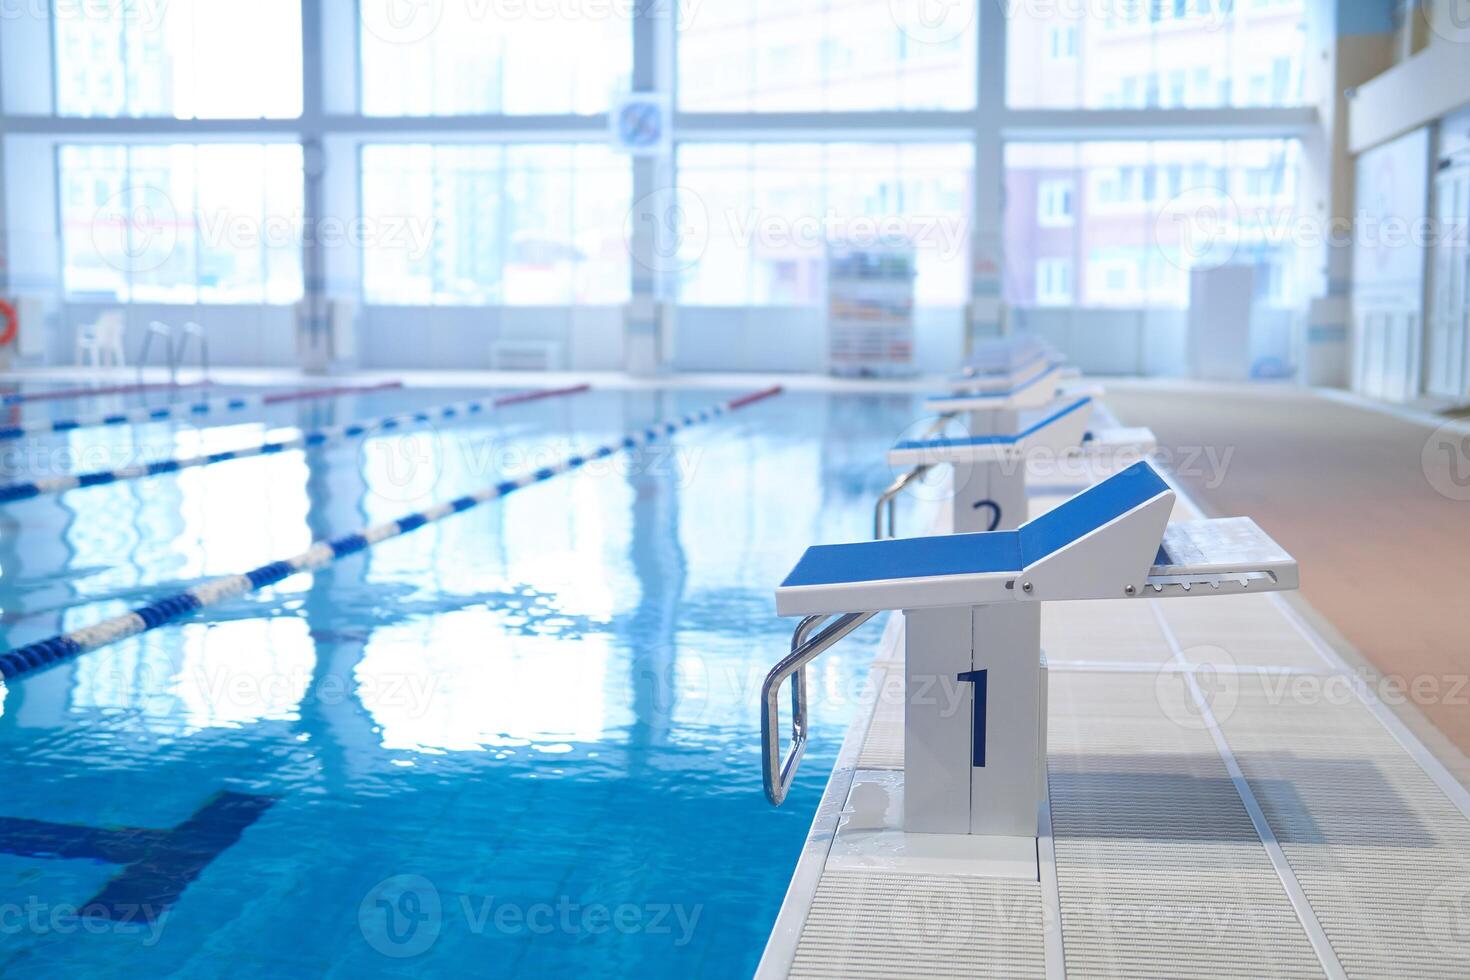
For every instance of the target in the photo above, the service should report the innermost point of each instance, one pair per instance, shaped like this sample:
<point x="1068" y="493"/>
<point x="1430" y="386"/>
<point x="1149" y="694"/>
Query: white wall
<point x="794" y="338"/>
<point x="589" y="338"/>
<point x="1388" y="270"/>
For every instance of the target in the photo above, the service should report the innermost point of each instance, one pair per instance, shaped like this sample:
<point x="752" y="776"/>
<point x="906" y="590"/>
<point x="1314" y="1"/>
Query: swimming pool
<point x="522" y="741"/>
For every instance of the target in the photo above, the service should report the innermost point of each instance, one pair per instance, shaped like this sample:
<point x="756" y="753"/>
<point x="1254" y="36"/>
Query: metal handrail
<point x="887" y="501"/>
<point x="805" y="647"/>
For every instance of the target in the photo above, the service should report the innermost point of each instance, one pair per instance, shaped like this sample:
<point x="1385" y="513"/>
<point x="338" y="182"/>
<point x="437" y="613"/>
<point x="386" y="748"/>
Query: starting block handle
<point x="886" y="501"/>
<point x="806" y="646"/>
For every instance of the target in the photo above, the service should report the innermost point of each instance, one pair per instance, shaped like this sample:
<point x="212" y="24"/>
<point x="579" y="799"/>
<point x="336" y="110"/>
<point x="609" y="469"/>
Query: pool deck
<point x="1228" y="797"/>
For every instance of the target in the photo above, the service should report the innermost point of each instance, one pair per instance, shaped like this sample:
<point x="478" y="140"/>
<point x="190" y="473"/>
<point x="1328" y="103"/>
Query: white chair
<point x="101" y="342"/>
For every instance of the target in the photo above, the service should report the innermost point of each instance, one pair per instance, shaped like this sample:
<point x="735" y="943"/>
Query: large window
<point x="1136" y="54"/>
<point x="805" y="55"/>
<point x="493" y="224"/>
<point x="761" y="217"/>
<point x="1145" y="214"/>
<point x="182" y="223"/>
<point x="459" y="57"/>
<point x="187" y="59"/>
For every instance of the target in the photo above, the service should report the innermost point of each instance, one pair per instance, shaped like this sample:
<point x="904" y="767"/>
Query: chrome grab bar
<point x="887" y="501"/>
<point x="806" y="645"/>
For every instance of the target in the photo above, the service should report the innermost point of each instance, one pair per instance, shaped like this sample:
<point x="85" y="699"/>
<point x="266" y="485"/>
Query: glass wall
<point x="1136" y="54"/>
<point x="763" y="215"/>
<point x="811" y="55"/>
<point x="1110" y="224"/>
<point x="519" y="225"/>
<point x="469" y="57"/>
<point x="495" y="219"/>
<point x="185" y="59"/>
<point x="182" y="223"/>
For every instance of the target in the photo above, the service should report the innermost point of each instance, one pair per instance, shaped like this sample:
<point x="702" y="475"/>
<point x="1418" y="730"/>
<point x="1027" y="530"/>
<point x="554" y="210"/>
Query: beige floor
<point x="1385" y="557"/>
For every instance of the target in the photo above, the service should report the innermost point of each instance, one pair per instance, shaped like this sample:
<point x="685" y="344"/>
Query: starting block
<point x="989" y="491"/>
<point x="975" y="695"/>
<point x="997" y="411"/>
<point x="1013" y="374"/>
<point x="1005" y="357"/>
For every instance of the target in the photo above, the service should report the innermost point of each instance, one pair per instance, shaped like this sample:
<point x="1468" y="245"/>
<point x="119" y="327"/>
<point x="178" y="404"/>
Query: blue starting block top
<point x="1002" y="552"/>
<point x="997" y="394"/>
<point x="1003" y="363"/>
<point x="996" y="440"/>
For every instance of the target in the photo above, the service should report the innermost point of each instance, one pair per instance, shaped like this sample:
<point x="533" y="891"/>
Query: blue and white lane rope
<point x="38" y="656"/>
<point x="316" y="437"/>
<point x="208" y="406"/>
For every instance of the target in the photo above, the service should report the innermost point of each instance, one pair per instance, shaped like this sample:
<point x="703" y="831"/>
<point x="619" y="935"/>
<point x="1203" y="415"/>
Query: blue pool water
<point x="522" y="742"/>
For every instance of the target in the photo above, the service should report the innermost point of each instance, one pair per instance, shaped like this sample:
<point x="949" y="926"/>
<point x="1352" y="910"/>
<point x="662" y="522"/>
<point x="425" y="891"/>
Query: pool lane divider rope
<point x="12" y="492"/>
<point x="46" y="653"/>
<point x="41" y="396"/>
<point x="139" y="416"/>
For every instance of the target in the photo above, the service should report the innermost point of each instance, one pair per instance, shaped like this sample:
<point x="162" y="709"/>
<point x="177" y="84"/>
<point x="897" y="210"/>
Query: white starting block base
<point x="871" y="838"/>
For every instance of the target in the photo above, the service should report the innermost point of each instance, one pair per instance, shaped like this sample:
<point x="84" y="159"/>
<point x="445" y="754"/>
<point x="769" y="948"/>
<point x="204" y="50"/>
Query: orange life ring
<point x="12" y="323"/>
